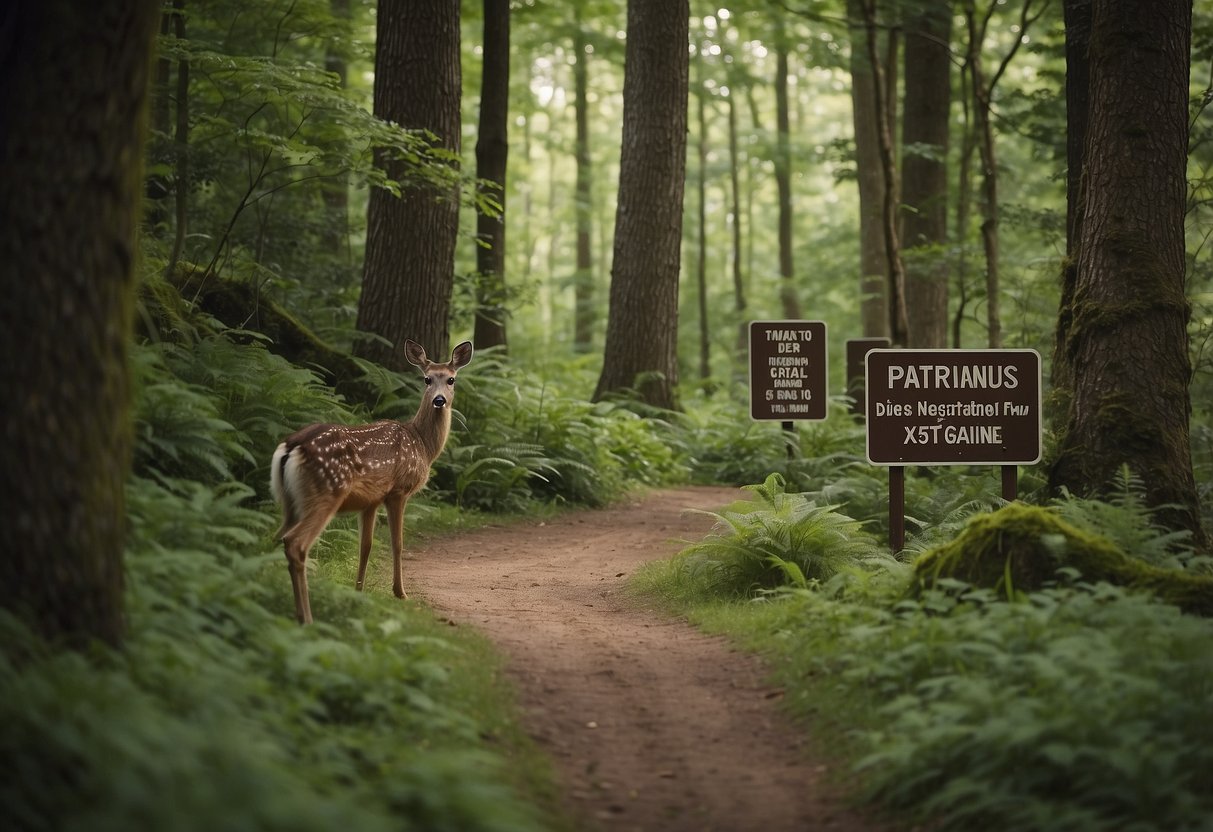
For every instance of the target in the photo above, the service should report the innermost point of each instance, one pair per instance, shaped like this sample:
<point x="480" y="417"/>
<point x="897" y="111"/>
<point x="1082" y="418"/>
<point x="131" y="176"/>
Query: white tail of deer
<point x="324" y="469"/>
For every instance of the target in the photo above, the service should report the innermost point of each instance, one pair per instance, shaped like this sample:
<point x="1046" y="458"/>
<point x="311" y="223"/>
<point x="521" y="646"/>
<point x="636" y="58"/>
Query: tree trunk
<point x="989" y="183"/>
<point x="924" y="175"/>
<point x="788" y="296"/>
<point x="492" y="148"/>
<point x="1077" y="14"/>
<point x="701" y="264"/>
<point x="181" y="145"/>
<point x="69" y="213"/>
<point x="583" y="279"/>
<point x="874" y="315"/>
<point x="895" y="269"/>
<point x="1127" y="344"/>
<point x="335" y="192"/>
<point x="408" y="276"/>
<point x="642" y="325"/>
<point x="739" y="302"/>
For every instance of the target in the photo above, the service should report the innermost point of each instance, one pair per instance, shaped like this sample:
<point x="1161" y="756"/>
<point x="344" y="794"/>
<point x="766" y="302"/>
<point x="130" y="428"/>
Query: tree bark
<point x="492" y="149"/>
<point x="408" y="275"/>
<point x="1077" y="15"/>
<point x="583" y="279"/>
<point x="874" y="315"/>
<point x="788" y="296"/>
<point x="701" y="254"/>
<point x="895" y="269"/>
<point x="1127" y="344"/>
<point x="181" y="145"/>
<point x="641" y="350"/>
<point x="739" y="301"/>
<point x="335" y="192"/>
<point x="72" y="125"/>
<point x="924" y="176"/>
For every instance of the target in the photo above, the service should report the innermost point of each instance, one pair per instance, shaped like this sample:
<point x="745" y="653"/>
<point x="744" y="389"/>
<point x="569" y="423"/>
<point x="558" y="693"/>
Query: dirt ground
<point x="651" y="725"/>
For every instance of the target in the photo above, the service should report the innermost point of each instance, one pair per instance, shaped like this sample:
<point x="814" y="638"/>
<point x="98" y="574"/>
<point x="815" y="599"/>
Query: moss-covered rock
<point x="1021" y="547"/>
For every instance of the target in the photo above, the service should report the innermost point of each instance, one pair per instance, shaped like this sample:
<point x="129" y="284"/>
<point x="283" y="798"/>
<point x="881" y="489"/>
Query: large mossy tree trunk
<point x="72" y="125"/>
<point x="641" y="350"/>
<point x="408" y="274"/>
<point x="1127" y="345"/>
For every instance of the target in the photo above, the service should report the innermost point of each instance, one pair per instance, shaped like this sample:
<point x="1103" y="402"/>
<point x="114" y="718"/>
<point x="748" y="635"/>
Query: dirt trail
<point x="651" y="724"/>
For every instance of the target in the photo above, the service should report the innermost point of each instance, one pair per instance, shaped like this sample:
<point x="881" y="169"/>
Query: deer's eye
<point x="428" y="380"/>
<point x="451" y="381"/>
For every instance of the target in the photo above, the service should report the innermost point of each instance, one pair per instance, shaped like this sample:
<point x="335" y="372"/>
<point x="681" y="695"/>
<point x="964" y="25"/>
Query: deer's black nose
<point x="440" y="401"/>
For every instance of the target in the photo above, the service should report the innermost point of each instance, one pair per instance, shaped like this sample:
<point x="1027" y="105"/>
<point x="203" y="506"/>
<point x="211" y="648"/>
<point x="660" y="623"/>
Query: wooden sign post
<point x="951" y="407"/>
<point x="788" y="373"/>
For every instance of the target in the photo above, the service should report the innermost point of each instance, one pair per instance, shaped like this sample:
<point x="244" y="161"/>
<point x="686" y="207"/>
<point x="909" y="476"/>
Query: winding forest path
<point x="651" y="725"/>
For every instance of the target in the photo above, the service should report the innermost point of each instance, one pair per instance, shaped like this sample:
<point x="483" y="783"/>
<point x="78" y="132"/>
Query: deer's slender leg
<point x="367" y="525"/>
<point x="297" y="542"/>
<point x="395" y="512"/>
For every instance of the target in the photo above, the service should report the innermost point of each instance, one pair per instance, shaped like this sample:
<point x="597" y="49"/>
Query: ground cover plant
<point x="1079" y="705"/>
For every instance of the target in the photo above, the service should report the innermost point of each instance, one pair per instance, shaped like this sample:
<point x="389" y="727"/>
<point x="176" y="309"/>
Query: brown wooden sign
<point x="953" y="407"/>
<point x="857" y="348"/>
<point x="788" y="370"/>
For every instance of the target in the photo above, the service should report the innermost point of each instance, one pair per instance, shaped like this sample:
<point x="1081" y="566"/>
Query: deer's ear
<point x="415" y="353"/>
<point x="461" y="356"/>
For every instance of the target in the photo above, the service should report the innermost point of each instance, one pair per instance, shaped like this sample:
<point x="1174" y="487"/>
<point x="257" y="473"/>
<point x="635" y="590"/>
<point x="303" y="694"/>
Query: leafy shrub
<point x="776" y="539"/>
<point x="220" y="712"/>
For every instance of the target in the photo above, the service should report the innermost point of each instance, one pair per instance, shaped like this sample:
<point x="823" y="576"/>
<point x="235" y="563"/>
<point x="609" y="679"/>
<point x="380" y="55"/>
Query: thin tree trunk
<point x="739" y="302"/>
<point x="873" y="286"/>
<point x="73" y="118"/>
<point x="408" y="276"/>
<point x="492" y="149"/>
<point x="964" y="202"/>
<point x="925" y="177"/>
<point x="181" y="145"/>
<point x="788" y="296"/>
<point x="335" y="191"/>
<point x="584" y="316"/>
<point x="898" y="321"/>
<point x="983" y="95"/>
<point x="701" y="265"/>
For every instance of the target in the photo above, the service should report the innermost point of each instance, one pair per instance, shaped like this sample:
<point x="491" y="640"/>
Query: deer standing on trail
<point x="324" y="469"/>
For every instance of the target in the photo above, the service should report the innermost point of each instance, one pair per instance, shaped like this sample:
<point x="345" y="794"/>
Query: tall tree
<point x="492" y="149"/>
<point x="408" y="274"/>
<point x="72" y="123"/>
<point x="895" y="268"/>
<point x="788" y="297"/>
<point x="701" y="220"/>
<point x="982" y="89"/>
<point x="336" y="191"/>
<point x="641" y="349"/>
<point x="583" y="277"/>
<point x="1127" y="345"/>
<point x="924" y="171"/>
<point x="873" y="309"/>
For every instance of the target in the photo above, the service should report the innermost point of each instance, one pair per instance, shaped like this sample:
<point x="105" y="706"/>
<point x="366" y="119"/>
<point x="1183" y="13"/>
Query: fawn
<point x="324" y="469"/>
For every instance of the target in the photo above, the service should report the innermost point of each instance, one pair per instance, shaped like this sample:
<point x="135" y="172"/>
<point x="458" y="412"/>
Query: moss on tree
<point x="1021" y="547"/>
<point x="218" y="302"/>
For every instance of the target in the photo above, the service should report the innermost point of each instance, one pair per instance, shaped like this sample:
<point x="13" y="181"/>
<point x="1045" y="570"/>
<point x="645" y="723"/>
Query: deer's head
<point x="439" y="378"/>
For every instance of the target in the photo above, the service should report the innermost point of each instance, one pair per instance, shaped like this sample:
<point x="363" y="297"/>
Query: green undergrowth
<point x="221" y="713"/>
<point x="1070" y="704"/>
